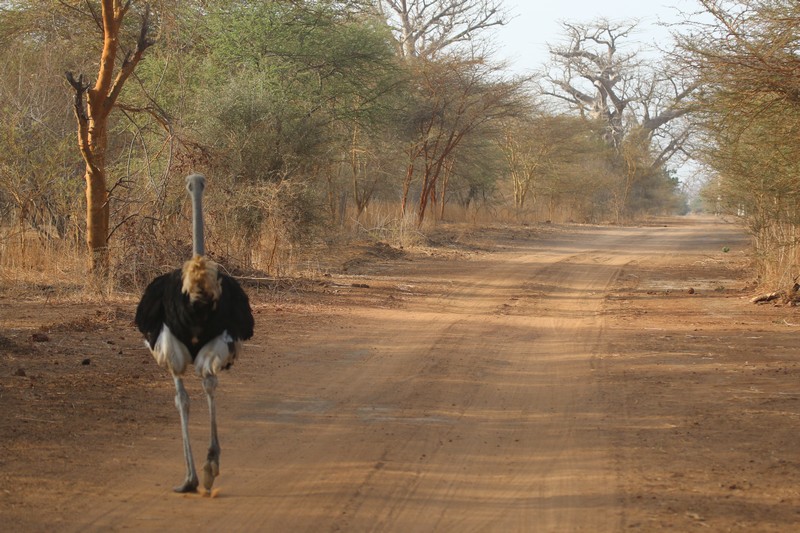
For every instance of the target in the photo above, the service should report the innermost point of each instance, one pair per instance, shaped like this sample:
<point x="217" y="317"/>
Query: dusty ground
<point x="501" y="379"/>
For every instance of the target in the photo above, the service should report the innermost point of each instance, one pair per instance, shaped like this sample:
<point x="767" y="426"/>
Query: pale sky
<point x="523" y="41"/>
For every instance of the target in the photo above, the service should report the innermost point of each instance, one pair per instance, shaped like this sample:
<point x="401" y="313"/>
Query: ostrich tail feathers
<point x="201" y="280"/>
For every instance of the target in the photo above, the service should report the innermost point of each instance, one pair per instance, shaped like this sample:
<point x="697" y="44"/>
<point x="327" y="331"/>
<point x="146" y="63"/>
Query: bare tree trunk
<point x="97" y="221"/>
<point x="448" y="170"/>
<point x="332" y="193"/>
<point x="428" y="190"/>
<point x="407" y="187"/>
<point x="92" y="108"/>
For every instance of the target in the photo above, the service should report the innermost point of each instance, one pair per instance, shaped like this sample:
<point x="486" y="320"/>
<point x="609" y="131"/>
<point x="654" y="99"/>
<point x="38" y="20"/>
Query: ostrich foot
<point x="210" y="472"/>
<point x="190" y="485"/>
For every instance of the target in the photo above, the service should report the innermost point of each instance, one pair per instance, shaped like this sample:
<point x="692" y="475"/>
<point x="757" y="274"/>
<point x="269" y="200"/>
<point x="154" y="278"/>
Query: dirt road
<point x="507" y="385"/>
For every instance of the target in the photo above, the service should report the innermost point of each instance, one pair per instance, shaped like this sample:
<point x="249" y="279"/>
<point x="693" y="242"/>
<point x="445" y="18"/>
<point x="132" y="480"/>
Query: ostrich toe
<point x="210" y="472"/>
<point x="190" y="485"/>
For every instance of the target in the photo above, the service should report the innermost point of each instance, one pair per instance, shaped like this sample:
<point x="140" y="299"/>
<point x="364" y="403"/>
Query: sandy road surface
<point x="466" y="400"/>
<point x="471" y="410"/>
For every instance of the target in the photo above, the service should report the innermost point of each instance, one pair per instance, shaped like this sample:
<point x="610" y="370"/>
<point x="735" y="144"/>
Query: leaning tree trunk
<point x="92" y="108"/>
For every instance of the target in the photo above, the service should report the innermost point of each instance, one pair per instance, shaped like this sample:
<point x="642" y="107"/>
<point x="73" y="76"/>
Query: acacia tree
<point x="522" y="158"/>
<point x="93" y="105"/>
<point x="747" y="59"/>
<point x="439" y="41"/>
<point x="301" y="100"/>
<point x="371" y="161"/>
<point x="540" y="149"/>
<point x="458" y="97"/>
<point x="640" y="109"/>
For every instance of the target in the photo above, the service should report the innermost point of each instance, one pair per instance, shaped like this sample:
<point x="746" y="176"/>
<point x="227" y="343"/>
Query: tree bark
<point x="92" y="108"/>
<point x="448" y="170"/>
<point x="97" y="221"/>
<point x="407" y="186"/>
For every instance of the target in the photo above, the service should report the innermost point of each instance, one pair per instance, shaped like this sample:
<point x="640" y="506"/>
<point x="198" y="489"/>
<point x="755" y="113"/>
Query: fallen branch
<point x="787" y="296"/>
<point x="764" y="298"/>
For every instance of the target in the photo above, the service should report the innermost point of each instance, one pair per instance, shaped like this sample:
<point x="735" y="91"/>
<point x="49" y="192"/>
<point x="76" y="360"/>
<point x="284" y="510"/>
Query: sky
<point x="535" y="23"/>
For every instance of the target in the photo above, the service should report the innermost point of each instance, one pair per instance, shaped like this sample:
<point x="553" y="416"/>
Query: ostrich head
<point x="195" y="183"/>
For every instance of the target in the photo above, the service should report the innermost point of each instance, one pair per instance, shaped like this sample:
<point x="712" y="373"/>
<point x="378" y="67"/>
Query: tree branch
<point x="131" y="60"/>
<point x="81" y="86"/>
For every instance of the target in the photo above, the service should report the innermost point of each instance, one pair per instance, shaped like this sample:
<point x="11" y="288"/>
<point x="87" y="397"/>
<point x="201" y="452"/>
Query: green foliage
<point x="300" y="113"/>
<point x="284" y="87"/>
<point x="751" y="126"/>
<point x="280" y="76"/>
<point x="259" y="131"/>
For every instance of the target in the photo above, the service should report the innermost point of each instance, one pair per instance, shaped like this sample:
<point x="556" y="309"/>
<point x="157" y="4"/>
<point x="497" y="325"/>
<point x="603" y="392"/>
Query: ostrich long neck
<point x="196" y="186"/>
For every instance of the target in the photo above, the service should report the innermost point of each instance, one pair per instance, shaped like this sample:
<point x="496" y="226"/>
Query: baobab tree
<point x="638" y="107"/>
<point x="606" y="81"/>
<point x="93" y="105"/>
<point x="424" y="28"/>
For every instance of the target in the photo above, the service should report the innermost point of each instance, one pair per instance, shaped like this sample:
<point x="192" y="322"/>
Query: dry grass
<point x="777" y="253"/>
<point x="35" y="265"/>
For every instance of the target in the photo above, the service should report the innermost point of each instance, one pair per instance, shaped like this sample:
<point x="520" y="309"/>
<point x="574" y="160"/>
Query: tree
<point x="537" y="147"/>
<point x="37" y="185"/>
<point x="92" y="106"/>
<point x="641" y="110"/>
<point x="426" y="28"/>
<point x="456" y="97"/>
<point x="746" y="58"/>
<point x="295" y="107"/>
<point x="477" y="172"/>
<point x="369" y="166"/>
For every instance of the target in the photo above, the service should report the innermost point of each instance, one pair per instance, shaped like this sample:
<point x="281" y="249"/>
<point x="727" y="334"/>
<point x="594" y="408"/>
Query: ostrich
<point x="195" y="315"/>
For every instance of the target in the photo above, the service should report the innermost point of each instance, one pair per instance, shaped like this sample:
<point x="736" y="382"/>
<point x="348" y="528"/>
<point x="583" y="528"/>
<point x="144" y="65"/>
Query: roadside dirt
<point x="499" y="379"/>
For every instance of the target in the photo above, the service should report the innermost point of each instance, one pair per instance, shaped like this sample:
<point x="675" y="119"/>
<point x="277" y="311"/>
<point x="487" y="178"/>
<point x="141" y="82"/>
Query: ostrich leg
<point x="182" y="403"/>
<point x="211" y="468"/>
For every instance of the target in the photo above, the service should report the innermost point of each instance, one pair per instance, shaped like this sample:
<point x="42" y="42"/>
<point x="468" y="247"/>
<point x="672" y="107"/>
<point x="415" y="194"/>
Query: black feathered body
<point x="197" y="318"/>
